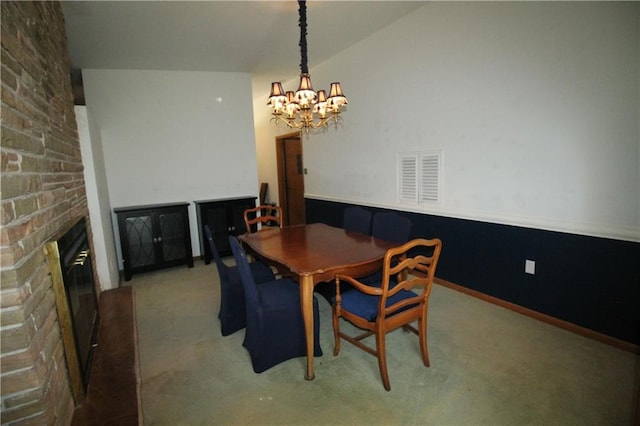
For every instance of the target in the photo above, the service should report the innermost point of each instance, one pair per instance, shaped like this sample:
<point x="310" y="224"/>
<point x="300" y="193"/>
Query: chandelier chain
<point x="302" y="12"/>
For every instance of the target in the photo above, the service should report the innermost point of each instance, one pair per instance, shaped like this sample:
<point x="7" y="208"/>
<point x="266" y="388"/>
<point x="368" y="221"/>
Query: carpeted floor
<point x="489" y="366"/>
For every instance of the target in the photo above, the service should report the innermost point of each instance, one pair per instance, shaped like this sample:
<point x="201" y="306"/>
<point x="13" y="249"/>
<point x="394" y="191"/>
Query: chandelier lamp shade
<point x="305" y="109"/>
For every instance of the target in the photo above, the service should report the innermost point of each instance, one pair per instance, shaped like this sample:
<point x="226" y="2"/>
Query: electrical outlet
<point x="530" y="267"/>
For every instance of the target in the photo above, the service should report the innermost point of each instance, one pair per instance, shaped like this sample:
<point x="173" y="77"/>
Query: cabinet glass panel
<point x="172" y="235"/>
<point x="140" y="237"/>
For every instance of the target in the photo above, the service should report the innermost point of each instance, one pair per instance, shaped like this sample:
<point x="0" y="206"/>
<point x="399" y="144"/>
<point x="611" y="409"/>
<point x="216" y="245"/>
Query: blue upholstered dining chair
<point x="391" y="226"/>
<point x="357" y="219"/>
<point x="388" y="226"/>
<point x="232" y="313"/>
<point x="381" y="308"/>
<point x="275" y="328"/>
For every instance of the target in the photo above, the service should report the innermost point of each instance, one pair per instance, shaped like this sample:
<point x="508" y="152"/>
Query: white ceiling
<point x="259" y="37"/>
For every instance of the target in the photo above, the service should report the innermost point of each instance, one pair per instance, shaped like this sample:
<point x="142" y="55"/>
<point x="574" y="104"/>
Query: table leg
<point x="306" y="299"/>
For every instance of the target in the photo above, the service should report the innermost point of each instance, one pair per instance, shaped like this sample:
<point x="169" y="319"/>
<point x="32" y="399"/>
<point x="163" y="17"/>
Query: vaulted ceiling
<point x="258" y="37"/>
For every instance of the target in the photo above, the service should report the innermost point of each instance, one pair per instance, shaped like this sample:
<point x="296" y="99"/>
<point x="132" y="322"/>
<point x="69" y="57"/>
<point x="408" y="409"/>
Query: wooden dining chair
<point x="357" y="219"/>
<point x="381" y="309"/>
<point x="232" y="314"/>
<point x="258" y="218"/>
<point x="275" y="327"/>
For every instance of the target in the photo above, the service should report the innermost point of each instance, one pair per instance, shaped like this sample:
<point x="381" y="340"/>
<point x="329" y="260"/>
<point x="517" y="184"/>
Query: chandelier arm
<point x="307" y="122"/>
<point x="302" y="13"/>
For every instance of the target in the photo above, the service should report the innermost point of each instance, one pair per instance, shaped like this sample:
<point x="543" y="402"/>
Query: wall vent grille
<point x="419" y="177"/>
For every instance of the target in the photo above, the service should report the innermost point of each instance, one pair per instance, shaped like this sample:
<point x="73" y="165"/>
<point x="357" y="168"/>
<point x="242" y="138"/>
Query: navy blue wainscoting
<point x="588" y="281"/>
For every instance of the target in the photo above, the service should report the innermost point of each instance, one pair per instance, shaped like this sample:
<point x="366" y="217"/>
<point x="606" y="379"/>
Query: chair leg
<point x="422" y="335"/>
<point x="382" y="358"/>
<point x="336" y="332"/>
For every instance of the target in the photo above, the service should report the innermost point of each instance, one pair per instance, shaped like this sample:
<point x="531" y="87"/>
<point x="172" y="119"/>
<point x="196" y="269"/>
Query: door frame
<point x="281" y="165"/>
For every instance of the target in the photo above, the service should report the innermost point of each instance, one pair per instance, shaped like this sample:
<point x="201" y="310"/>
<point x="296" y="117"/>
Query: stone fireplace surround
<point x="42" y="190"/>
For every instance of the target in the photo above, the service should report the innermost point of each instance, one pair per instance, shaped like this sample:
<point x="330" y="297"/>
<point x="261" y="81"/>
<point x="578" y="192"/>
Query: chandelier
<point x="305" y="109"/>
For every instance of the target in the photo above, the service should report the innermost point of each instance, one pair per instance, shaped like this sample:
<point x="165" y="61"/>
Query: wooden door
<point x="291" y="178"/>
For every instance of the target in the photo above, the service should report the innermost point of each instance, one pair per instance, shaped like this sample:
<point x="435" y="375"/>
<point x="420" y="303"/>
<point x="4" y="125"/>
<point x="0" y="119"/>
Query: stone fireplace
<point x="43" y="190"/>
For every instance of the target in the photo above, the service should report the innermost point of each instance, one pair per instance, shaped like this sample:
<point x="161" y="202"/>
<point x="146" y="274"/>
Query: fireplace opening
<point x="69" y="258"/>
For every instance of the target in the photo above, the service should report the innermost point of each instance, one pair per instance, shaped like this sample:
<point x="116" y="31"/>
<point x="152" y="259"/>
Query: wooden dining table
<point x="315" y="253"/>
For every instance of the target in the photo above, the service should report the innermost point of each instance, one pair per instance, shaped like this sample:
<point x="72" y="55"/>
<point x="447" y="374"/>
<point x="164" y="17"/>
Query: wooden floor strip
<point x="113" y="391"/>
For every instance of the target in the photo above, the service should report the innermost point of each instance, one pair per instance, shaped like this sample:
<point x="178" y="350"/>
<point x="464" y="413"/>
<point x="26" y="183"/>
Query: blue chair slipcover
<point x="391" y="226"/>
<point x="275" y="328"/>
<point x="357" y="219"/>
<point x="232" y="313"/>
<point x="388" y="226"/>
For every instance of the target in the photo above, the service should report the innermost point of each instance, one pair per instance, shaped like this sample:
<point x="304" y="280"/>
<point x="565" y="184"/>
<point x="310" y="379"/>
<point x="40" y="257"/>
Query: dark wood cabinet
<point x="225" y="217"/>
<point x="154" y="236"/>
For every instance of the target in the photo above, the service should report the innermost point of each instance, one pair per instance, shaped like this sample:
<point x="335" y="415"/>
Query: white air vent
<point x="419" y="177"/>
<point x="408" y="178"/>
<point x="430" y="177"/>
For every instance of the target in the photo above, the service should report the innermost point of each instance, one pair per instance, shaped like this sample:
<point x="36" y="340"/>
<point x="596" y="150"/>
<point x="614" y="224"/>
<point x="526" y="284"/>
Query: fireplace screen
<point x="72" y="275"/>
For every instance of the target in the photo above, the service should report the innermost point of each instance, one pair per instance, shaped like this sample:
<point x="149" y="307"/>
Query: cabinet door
<point x="171" y="235"/>
<point x="140" y="240"/>
<point x="218" y="221"/>
<point x="153" y="237"/>
<point x="236" y="211"/>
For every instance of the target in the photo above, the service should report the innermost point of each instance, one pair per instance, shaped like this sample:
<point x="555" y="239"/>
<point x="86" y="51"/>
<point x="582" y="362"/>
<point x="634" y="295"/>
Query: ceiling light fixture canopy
<point x="305" y="109"/>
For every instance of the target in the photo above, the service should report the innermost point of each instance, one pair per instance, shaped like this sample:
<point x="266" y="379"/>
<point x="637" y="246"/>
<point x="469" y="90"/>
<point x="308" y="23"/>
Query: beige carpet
<point x="489" y="366"/>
